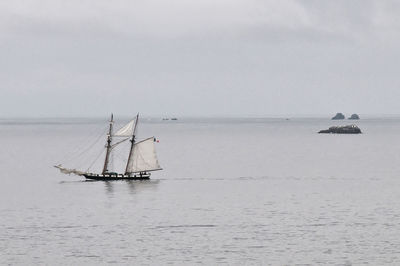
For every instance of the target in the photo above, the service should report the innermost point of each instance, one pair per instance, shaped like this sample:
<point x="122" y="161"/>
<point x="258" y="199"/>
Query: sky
<point x="199" y="57"/>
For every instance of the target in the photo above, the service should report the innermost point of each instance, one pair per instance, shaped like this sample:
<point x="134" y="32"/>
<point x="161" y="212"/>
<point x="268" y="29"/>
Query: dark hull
<point x="117" y="177"/>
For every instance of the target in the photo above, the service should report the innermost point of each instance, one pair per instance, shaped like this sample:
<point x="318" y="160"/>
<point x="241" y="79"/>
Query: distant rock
<point x="338" y="116"/>
<point x="354" y="117"/>
<point x="350" y="129"/>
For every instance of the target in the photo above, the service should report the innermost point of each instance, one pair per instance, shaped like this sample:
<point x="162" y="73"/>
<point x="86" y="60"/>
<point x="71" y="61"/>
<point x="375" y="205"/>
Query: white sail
<point x="143" y="157"/>
<point x="126" y="131"/>
<point x="69" y="171"/>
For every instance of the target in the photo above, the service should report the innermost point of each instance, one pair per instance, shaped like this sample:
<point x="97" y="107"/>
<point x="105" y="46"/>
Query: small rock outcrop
<point x="338" y="116"/>
<point x="354" y="117"/>
<point x="350" y="129"/>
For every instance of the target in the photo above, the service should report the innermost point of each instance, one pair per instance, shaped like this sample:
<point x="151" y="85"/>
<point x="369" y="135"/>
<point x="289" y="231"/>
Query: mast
<point x="132" y="144"/>
<point x="109" y="139"/>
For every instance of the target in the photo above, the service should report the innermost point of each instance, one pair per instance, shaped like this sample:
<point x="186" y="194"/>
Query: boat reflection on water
<point x="139" y="186"/>
<point x="121" y="186"/>
<point x="133" y="186"/>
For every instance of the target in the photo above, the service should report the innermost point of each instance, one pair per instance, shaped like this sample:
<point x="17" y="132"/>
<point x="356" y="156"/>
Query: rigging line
<point x="118" y="159"/>
<point x="115" y="144"/>
<point x="68" y="156"/>
<point x="88" y="148"/>
<point x="98" y="156"/>
<point x="84" y="161"/>
<point x="119" y="156"/>
<point x="112" y="160"/>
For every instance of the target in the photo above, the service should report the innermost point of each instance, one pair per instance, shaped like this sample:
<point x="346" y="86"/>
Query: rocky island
<point x="338" y="116"/>
<point x="350" y="129"/>
<point x="354" y="117"/>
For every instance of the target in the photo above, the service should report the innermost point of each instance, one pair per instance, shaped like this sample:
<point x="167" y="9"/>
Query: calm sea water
<point x="233" y="191"/>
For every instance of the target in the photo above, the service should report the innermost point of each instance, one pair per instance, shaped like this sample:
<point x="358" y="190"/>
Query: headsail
<point x="68" y="171"/>
<point x="127" y="130"/>
<point x="144" y="158"/>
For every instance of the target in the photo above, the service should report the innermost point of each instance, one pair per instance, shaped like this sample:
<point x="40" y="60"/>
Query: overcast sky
<point x="199" y="57"/>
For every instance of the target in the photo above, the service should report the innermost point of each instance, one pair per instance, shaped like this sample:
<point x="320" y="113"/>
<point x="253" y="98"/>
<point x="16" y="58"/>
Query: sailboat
<point x="142" y="157"/>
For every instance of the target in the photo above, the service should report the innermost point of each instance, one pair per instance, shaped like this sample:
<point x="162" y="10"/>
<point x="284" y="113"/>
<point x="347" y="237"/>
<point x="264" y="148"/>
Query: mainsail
<point x="144" y="158"/>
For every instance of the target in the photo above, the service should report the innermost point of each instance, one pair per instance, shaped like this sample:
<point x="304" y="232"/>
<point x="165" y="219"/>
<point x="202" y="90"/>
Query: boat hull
<point x="106" y="177"/>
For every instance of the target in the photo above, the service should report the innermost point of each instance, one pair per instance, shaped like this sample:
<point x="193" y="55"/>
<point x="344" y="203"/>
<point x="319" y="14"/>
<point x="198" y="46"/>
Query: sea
<point x="233" y="191"/>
